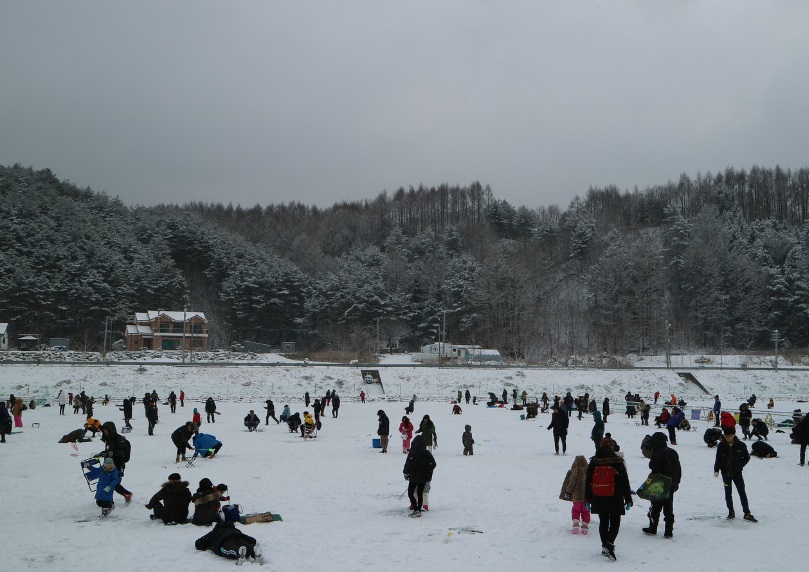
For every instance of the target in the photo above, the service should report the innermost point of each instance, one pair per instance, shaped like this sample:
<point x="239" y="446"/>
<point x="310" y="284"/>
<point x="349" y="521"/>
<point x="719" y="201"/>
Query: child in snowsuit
<point x="108" y="479"/>
<point x="573" y="491"/>
<point x="196" y="418"/>
<point x="467" y="440"/>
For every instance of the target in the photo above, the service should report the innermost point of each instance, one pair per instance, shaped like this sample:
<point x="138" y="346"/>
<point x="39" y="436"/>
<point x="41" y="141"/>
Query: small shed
<point x="287" y="347"/>
<point x="28" y="342"/>
<point x="4" y="336"/>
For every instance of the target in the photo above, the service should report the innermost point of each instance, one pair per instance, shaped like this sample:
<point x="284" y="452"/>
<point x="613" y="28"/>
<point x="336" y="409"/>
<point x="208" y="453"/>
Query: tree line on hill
<point x="706" y="263"/>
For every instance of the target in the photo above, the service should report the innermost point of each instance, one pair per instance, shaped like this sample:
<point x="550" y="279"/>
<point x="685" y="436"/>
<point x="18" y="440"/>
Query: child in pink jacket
<point x="573" y="491"/>
<point x="406" y="431"/>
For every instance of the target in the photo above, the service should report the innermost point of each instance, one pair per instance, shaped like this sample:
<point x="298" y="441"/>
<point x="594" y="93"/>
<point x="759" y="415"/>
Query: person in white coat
<point x="62" y="400"/>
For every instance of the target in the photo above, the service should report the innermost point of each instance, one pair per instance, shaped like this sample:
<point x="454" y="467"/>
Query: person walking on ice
<point x="418" y="471"/>
<point x="573" y="491"/>
<point x="731" y="457"/>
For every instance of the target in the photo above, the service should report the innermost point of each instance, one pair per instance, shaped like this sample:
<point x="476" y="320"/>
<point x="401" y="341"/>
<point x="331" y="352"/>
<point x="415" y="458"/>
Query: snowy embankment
<point x="342" y="501"/>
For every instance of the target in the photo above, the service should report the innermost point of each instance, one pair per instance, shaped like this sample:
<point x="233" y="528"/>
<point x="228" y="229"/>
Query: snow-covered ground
<point x="343" y="503"/>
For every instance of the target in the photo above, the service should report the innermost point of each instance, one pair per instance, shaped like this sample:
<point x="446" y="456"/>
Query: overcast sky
<point x="323" y="101"/>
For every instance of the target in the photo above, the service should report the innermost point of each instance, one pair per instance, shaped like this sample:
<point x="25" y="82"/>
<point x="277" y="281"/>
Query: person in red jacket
<point x="182" y="398"/>
<point x="406" y="431"/>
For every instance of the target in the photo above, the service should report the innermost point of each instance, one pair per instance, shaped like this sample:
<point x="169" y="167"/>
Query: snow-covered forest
<point x="713" y="262"/>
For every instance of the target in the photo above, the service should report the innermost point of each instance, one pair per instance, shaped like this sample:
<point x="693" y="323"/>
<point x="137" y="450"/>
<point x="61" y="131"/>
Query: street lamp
<point x="775" y="339"/>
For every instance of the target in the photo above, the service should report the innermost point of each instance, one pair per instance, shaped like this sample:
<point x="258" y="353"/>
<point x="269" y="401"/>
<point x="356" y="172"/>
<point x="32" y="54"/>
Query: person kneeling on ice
<point x="176" y="496"/>
<point x="206" y="445"/>
<point x="252" y="421"/>
<point x="418" y="470"/>
<point x="108" y="478"/>
<point x="763" y="450"/>
<point x="573" y="491"/>
<point x="227" y="541"/>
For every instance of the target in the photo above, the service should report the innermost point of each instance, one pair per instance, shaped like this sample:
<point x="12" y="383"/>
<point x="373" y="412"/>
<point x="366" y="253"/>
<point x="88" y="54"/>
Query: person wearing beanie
<point x="731" y="457"/>
<point x="175" y="498"/>
<point x="108" y="479"/>
<point x="196" y="418"/>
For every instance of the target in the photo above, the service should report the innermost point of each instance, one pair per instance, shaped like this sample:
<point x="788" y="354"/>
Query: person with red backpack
<point x="607" y="494"/>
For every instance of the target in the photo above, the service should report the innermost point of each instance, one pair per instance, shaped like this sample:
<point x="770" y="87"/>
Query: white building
<point x="4" y="336"/>
<point x="461" y="353"/>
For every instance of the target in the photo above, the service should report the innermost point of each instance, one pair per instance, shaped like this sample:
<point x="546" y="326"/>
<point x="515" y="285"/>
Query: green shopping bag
<point x="655" y="488"/>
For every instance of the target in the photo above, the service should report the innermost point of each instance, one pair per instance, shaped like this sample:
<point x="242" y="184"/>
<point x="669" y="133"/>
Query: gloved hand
<point x="716" y="474"/>
<point x="407" y="477"/>
<point x="587" y="506"/>
<point x="106" y="489"/>
<point x="628" y="505"/>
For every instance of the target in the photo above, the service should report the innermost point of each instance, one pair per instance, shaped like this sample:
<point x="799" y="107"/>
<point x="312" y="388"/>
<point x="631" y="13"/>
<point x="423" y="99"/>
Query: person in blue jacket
<point x="717" y="410"/>
<point x="206" y="445"/>
<point x="673" y="423"/>
<point x="107" y="476"/>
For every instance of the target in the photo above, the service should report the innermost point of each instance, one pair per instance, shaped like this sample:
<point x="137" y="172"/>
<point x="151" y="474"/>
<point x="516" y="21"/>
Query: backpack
<point x="125" y="448"/>
<point x="603" y="481"/>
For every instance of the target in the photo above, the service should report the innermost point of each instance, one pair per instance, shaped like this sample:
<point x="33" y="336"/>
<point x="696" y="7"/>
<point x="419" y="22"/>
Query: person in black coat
<point x="175" y="498"/>
<point x="664" y="461"/>
<point x="568" y="401"/>
<point x="731" y="457"/>
<point x="225" y="540"/>
<point x="270" y="407"/>
<point x="559" y="424"/>
<point x="335" y="404"/>
<point x="605" y="408"/>
<point x="173" y="402"/>
<point x="118" y="448"/>
<point x="306" y="399"/>
<point x="802" y="434"/>
<point x="181" y="437"/>
<point x="383" y="430"/>
<point x="467" y="396"/>
<point x="762" y="450"/>
<point x="128" y="411"/>
<point x="760" y="429"/>
<point x="418" y="471"/>
<point x="206" y="503"/>
<point x="151" y="412"/>
<point x="712" y="436"/>
<point x="609" y="508"/>
<point x="210" y="410"/>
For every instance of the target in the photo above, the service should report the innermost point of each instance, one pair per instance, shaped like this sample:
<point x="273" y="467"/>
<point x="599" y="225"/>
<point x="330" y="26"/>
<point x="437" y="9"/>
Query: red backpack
<point x="603" y="482"/>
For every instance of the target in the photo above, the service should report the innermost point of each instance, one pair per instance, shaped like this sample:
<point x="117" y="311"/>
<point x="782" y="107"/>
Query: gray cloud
<point x="318" y="102"/>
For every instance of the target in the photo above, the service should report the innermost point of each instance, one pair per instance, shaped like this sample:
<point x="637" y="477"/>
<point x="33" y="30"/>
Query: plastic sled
<point x="656" y="488"/>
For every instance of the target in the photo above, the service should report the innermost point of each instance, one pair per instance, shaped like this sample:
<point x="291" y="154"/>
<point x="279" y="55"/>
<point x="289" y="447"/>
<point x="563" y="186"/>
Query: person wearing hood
<point x="559" y="424"/>
<point x="207" y="502"/>
<point x="210" y="410"/>
<point x="712" y="436"/>
<point x="117" y="448"/>
<point x="607" y="494"/>
<point x="598" y="429"/>
<point x="664" y="461"/>
<point x="605" y="408"/>
<point x="745" y="417"/>
<point x="175" y="498"/>
<point x="802" y="434"/>
<point x="717" y="410"/>
<point x="285" y="414"/>
<point x="61" y="399"/>
<point x="467" y="440"/>
<point x="573" y="491"/>
<point x="79" y="435"/>
<point x="418" y="471"/>
<point x="5" y="422"/>
<point x="677" y="417"/>
<point x="181" y="437"/>
<point x="308" y="423"/>
<point x="427" y="428"/>
<point x="108" y="481"/>
<point x="383" y="430"/>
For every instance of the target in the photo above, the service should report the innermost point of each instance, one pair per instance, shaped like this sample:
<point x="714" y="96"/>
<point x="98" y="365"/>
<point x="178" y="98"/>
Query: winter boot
<point x="610" y="551"/>
<point x="242" y="555"/>
<point x="128" y="498"/>
<point x="585" y="528"/>
<point x="750" y="517"/>
<point x="415" y="513"/>
<point x="575" y="529"/>
<point x="731" y="515"/>
<point x="257" y="554"/>
<point x="426" y="498"/>
<point x="177" y="460"/>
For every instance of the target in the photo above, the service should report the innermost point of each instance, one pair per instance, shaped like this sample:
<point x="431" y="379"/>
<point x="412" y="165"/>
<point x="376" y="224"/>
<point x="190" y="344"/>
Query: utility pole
<point x="183" y="344"/>
<point x="775" y="340"/>
<point x="668" y="345"/>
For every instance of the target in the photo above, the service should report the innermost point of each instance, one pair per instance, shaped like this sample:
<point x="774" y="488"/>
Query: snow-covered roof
<point x="176" y="316"/>
<point x="135" y="329"/>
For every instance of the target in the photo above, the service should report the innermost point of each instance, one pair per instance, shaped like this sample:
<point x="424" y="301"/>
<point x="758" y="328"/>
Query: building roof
<point x="173" y="315"/>
<point x="138" y="329"/>
<point x="3" y="328"/>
